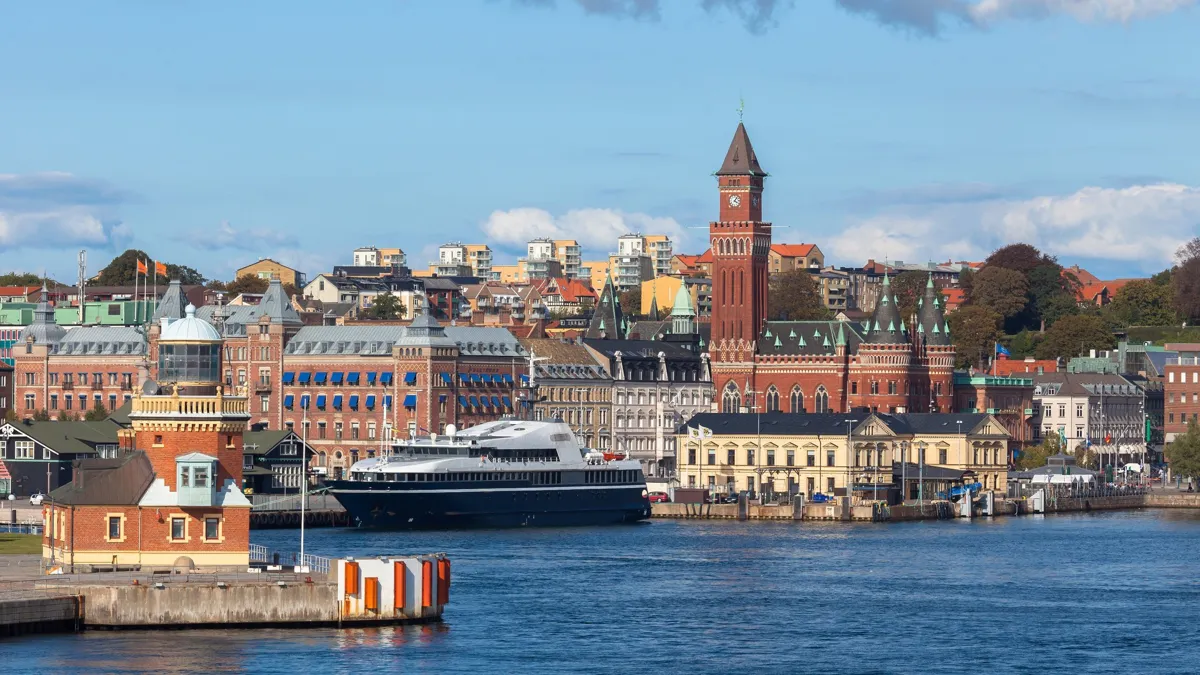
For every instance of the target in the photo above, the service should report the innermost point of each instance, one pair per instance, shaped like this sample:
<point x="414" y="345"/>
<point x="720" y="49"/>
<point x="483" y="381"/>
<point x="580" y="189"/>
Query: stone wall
<point x="197" y="605"/>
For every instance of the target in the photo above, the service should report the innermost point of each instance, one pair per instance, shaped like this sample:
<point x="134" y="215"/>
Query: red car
<point x="659" y="498"/>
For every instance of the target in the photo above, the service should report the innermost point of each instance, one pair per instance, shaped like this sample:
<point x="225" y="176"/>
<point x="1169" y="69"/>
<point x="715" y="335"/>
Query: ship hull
<point x="492" y="508"/>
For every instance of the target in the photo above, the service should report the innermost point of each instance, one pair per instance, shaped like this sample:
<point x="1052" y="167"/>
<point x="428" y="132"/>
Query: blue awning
<point x="321" y="401"/>
<point x="410" y="378"/>
<point x="462" y="400"/>
<point x="495" y="401"/>
<point x="486" y="377"/>
<point x="319" y="378"/>
<point x="410" y="401"/>
<point x="387" y="400"/>
<point x="476" y="377"/>
<point x="336" y="378"/>
<point x="370" y="401"/>
<point x="507" y="401"/>
<point x="351" y="378"/>
<point x="385" y="378"/>
<point x="441" y="398"/>
<point x="474" y="402"/>
<point x="289" y="378"/>
<point x="354" y="401"/>
<point x="524" y="379"/>
<point x="304" y="401"/>
<point x="289" y="401"/>
<point x="370" y="378"/>
<point x="337" y="401"/>
<point x="305" y="378"/>
<point x="464" y="378"/>
<point x="507" y="378"/>
<point x="447" y="379"/>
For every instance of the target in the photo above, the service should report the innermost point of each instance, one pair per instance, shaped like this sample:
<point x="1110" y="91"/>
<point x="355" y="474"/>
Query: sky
<point x="212" y="134"/>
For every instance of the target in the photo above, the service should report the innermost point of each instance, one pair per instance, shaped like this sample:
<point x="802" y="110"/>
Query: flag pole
<point x="155" y="294"/>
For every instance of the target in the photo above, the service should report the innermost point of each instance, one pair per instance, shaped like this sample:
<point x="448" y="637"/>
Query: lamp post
<point x="303" y="475"/>
<point x="921" y="473"/>
<point x="849" y="449"/>
<point x="903" y="471"/>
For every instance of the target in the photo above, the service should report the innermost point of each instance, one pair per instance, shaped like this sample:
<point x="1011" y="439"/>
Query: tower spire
<point x="740" y="159"/>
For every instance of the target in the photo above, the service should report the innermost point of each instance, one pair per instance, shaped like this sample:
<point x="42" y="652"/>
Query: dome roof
<point x="189" y="329"/>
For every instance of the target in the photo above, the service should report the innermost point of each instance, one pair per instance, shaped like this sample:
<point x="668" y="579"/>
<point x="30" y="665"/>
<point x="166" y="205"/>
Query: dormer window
<point x="196" y="479"/>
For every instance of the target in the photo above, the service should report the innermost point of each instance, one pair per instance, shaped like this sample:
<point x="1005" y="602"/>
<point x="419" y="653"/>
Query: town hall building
<point x="889" y="364"/>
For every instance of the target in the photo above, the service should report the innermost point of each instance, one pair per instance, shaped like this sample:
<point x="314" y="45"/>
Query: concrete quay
<point x="376" y="591"/>
<point x="935" y="510"/>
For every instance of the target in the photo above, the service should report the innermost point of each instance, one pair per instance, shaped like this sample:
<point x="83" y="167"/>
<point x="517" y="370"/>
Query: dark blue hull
<point x="452" y="509"/>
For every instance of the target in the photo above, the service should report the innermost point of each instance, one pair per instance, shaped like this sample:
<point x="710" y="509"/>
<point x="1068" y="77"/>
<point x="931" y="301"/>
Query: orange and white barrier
<point x="412" y="587"/>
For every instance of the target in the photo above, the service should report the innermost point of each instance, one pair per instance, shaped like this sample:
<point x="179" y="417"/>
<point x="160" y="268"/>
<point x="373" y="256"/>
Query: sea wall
<point x="198" y="605"/>
<point x="38" y="613"/>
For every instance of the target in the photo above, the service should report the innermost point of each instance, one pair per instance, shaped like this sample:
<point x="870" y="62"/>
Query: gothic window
<point x="821" y="400"/>
<point x="772" y="399"/>
<point x="731" y="399"/>
<point x="797" y="400"/>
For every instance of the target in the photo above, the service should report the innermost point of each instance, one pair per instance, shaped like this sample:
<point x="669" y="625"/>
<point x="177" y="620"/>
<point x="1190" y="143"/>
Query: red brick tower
<point x="740" y="245"/>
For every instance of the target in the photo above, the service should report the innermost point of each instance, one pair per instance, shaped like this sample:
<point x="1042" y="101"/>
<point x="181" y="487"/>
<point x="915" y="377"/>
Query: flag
<point x="693" y="434"/>
<point x="1001" y="350"/>
<point x="704" y="432"/>
<point x="141" y="267"/>
<point x="160" y="268"/>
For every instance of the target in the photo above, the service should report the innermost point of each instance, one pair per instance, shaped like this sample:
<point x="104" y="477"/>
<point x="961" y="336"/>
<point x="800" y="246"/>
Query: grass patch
<point x="20" y="544"/>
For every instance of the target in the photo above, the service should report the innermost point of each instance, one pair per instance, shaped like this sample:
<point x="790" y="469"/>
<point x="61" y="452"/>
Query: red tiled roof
<point x="954" y="297"/>
<point x="792" y="250"/>
<point x="705" y="257"/>
<point x="573" y="290"/>
<point x="9" y="291"/>
<point x="1090" y="291"/>
<point x="1085" y="277"/>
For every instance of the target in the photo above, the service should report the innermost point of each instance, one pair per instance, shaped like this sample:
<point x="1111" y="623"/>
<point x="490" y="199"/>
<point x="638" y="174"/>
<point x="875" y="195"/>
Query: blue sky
<point x="215" y="133"/>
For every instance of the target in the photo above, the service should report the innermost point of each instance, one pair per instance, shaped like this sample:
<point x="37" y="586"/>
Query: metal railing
<point x="317" y="501"/>
<point x="315" y="563"/>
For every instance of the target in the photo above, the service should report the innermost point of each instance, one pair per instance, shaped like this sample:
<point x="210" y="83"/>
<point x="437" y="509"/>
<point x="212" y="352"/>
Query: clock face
<point x="735" y="200"/>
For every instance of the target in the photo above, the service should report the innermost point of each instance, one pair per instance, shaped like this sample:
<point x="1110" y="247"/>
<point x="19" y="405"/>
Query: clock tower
<point x="740" y="242"/>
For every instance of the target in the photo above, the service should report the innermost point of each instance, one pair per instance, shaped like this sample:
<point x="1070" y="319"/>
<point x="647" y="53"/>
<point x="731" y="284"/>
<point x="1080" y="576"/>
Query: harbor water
<point x="1110" y="592"/>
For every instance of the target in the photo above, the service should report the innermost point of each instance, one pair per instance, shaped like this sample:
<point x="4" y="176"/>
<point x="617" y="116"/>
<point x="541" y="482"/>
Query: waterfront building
<point x="266" y="268"/>
<point x="777" y="452"/>
<point x="574" y="387"/>
<point x="271" y="461"/>
<point x="38" y="456"/>
<point x="1103" y="412"/>
<point x="892" y="363"/>
<point x="1008" y="399"/>
<point x="1181" y="388"/>
<point x="657" y="384"/>
<point x="172" y="495"/>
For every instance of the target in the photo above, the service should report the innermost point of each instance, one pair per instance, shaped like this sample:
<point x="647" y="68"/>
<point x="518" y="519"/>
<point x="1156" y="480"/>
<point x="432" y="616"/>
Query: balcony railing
<point x="98" y="386"/>
<point x="68" y="385"/>
<point x="189" y="406"/>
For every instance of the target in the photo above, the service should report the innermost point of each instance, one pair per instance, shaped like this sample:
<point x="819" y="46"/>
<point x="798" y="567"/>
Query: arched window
<point x="821" y="400"/>
<point x="772" y="399"/>
<point x="797" y="400"/>
<point x="731" y="400"/>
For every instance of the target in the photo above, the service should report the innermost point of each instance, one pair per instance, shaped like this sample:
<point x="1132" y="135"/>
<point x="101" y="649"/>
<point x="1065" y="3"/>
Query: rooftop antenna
<point x="82" y="281"/>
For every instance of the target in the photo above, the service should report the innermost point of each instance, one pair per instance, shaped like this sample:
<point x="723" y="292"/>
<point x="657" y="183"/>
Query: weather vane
<point x="741" y="108"/>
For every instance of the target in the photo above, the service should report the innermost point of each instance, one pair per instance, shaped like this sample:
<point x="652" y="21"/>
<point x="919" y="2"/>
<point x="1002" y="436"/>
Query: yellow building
<point x="807" y="453"/>
<point x="507" y="274"/>
<point x="663" y="290"/>
<point x="597" y="272"/>
<point x="266" y="268"/>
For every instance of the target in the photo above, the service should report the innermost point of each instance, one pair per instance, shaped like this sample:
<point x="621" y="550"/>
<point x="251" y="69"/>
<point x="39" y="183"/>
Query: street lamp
<point x="849" y="449"/>
<point x="921" y="473"/>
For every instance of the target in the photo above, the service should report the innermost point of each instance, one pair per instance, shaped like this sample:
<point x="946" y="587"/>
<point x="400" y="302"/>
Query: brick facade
<point x="1181" y="395"/>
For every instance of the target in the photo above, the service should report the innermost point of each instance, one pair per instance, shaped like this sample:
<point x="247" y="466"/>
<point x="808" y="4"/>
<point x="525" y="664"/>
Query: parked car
<point x="659" y="498"/>
<point x="36" y="499"/>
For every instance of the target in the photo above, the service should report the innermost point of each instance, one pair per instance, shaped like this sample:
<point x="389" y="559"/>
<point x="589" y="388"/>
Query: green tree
<point x="1054" y="307"/>
<point x="631" y="302"/>
<point x="63" y="417"/>
<point x="909" y="287"/>
<point x="247" y="283"/>
<point x="1183" y="453"/>
<point x="1086" y="458"/>
<point x="1035" y="456"/>
<point x="97" y="413"/>
<point x="1185" y="283"/>
<point x="187" y="276"/>
<point x="41" y="415"/>
<point x="1164" y="277"/>
<point x="1143" y="303"/>
<point x="1075" y="335"/>
<point x="1023" y="344"/>
<point x="1021" y="258"/>
<point x="122" y="270"/>
<point x="290" y="289"/>
<point x="794" y="296"/>
<point x="10" y="416"/>
<point x="1000" y="289"/>
<point x="1188" y="251"/>
<point x="975" y="329"/>
<point x="25" y="279"/>
<point x="386" y="306"/>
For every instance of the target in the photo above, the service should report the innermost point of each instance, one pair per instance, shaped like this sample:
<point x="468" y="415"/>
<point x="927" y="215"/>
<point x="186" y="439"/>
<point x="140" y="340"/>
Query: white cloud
<point x="595" y="229"/>
<point x="259" y="240"/>
<point x="989" y="11"/>
<point x="58" y="210"/>
<point x="1141" y="225"/>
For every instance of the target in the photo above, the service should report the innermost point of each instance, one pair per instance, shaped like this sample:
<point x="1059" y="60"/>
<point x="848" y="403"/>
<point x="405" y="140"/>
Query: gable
<point x="989" y="427"/>
<point x="873" y="426"/>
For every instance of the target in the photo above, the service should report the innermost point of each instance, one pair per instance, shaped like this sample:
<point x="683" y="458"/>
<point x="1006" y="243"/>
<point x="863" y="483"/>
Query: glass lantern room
<point x="189" y="363"/>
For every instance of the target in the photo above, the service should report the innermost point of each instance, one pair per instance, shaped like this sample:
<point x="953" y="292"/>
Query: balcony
<point x="68" y="385"/>
<point x="98" y="386"/>
<point x="165" y="407"/>
<point x="262" y="387"/>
